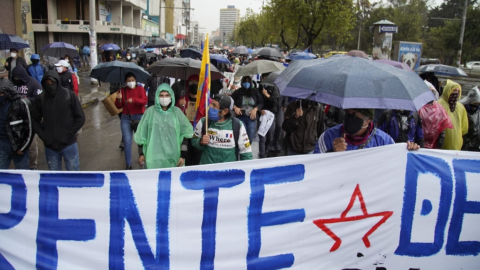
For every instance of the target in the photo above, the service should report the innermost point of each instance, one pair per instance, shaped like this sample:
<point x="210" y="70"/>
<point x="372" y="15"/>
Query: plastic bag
<point x="434" y="120"/>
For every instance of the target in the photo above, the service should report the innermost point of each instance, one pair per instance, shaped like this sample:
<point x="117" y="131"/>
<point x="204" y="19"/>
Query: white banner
<point x="379" y="208"/>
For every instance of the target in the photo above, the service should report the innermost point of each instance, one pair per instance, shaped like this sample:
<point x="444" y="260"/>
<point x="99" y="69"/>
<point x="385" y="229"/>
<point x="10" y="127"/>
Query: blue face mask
<point x="246" y="85"/>
<point x="213" y="114"/>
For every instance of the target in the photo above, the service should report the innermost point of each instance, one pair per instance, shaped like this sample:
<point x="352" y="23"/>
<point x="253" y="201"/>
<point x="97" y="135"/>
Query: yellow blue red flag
<point x="201" y="105"/>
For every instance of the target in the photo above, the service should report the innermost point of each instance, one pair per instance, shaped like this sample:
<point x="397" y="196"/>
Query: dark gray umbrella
<point x="190" y="53"/>
<point x="114" y="72"/>
<point x="8" y="42"/>
<point x="353" y="82"/>
<point x="269" y="52"/>
<point x="59" y="49"/>
<point x="181" y="68"/>
<point x="441" y="70"/>
<point x="240" y="50"/>
<point x="270" y="79"/>
<point x="158" y="43"/>
<point x="259" y="67"/>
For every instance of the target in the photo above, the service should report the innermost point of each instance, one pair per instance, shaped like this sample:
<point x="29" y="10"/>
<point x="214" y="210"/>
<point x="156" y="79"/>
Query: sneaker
<point x="129" y="167"/>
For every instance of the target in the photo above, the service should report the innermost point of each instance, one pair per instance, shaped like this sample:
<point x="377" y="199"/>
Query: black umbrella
<point x="114" y="72"/>
<point x="353" y="82"/>
<point x="269" y="52"/>
<point x="158" y="43"/>
<point x="181" y="68"/>
<point x="190" y="53"/>
<point x="59" y="49"/>
<point x="241" y="50"/>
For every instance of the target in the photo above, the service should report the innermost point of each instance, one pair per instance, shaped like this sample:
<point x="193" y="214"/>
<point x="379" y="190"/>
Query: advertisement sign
<point x="378" y="208"/>
<point x="409" y="53"/>
<point x="104" y="11"/>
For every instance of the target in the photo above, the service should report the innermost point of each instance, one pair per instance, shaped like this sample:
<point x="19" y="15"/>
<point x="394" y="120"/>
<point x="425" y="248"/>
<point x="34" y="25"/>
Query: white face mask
<point x="13" y="54"/>
<point x="128" y="57"/>
<point x="131" y="84"/>
<point x="60" y="69"/>
<point x="67" y="60"/>
<point x="165" y="101"/>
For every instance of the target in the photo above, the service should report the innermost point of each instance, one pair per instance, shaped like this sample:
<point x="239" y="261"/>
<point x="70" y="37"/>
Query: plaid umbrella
<point x="353" y="82"/>
<point x="8" y="42"/>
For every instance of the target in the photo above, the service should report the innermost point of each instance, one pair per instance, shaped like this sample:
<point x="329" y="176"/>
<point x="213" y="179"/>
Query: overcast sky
<point x="207" y="12"/>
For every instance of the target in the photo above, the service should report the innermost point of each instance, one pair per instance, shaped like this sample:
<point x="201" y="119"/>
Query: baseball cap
<point x="62" y="63"/>
<point x="225" y="101"/>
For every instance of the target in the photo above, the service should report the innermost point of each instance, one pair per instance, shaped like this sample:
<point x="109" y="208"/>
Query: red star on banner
<point x="321" y="223"/>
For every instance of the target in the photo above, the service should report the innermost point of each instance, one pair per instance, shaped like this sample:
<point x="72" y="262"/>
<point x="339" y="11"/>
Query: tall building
<point x="118" y="22"/>
<point x="228" y="18"/>
<point x="195" y="35"/>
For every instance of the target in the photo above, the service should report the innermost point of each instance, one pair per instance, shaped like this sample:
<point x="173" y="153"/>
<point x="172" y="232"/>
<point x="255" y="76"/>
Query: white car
<point x="474" y="65"/>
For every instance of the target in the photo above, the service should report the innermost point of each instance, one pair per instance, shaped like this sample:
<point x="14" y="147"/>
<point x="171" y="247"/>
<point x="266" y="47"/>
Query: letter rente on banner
<point x="382" y="207"/>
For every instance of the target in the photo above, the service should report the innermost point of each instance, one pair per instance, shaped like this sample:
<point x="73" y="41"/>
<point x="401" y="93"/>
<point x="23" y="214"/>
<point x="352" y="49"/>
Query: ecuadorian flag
<point x="201" y="105"/>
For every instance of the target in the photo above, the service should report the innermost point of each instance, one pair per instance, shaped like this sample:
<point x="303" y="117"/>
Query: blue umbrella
<point x="219" y="58"/>
<point x="110" y="47"/>
<point x="353" y="82"/>
<point x="250" y="50"/>
<point x="114" y="72"/>
<point x="60" y="49"/>
<point x="8" y="42"/>
<point x="301" y="56"/>
<point x="190" y="53"/>
<point x="441" y="70"/>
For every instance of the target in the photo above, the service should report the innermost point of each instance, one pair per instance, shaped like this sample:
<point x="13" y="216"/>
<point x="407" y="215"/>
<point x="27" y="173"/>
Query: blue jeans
<point x="250" y="126"/>
<point x="127" y="133"/>
<point x="70" y="158"/>
<point x="7" y="155"/>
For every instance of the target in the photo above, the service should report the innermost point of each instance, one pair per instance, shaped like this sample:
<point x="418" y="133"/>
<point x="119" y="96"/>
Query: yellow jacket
<point x="454" y="137"/>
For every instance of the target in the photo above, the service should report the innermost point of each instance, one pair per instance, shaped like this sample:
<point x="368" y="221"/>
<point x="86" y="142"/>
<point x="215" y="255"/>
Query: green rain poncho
<point x="161" y="132"/>
<point x="454" y="137"/>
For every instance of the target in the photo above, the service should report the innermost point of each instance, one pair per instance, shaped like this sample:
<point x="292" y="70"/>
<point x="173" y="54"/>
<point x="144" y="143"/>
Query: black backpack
<point x="236" y="132"/>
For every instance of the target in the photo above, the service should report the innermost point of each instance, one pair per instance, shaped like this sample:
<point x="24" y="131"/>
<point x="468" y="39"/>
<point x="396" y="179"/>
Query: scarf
<point x="452" y="101"/>
<point x="358" y="139"/>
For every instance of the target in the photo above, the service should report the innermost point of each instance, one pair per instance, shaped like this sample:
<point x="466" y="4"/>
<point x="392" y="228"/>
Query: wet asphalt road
<point x="100" y="137"/>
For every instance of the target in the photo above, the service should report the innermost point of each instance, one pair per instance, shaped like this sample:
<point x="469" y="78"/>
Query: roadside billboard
<point x="408" y="53"/>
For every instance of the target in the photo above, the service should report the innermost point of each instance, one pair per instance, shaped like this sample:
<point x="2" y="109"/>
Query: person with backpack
<point x="225" y="139"/>
<point x="86" y="55"/>
<point x="162" y="132"/>
<point x="402" y="126"/>
<point x="57" y="117"/>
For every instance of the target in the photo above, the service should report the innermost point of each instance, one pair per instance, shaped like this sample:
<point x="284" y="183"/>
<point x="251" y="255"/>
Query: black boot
<point x="129" y="167"/>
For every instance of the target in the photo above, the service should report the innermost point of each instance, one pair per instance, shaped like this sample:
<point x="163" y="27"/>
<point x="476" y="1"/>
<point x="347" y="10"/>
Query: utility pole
<point x="459" y="60"/>
<point x="93" y="39"/>
<point x="160" y="19"/>
<point x="359" y="35"/>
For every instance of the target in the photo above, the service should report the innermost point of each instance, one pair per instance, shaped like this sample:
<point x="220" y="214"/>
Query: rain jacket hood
<point x="453" y="137"/>
<point x="21" y="73"/>
<point x="472" y="97"/>
<point x="8" y="90"/>
<point x="161" y="133"/>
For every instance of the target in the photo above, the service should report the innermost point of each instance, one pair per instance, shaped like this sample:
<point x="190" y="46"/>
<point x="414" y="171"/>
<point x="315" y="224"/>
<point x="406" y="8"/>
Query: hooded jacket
<point x="20" y="62"/>
<point x="161" y="133"/>
<point x="454" y="137"/>
<point x="471" y="140"/>
<point x="57" y="119"/>
<point x="30" y="88"/>
<point x="37" y="70"/>
<point x="189" y="108"/>
<point x="252" y="92"/>
<point x="19" y="122"/>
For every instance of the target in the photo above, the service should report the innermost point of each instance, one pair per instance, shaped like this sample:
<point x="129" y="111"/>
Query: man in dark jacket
<point x="304" y="123"/>
<point x="28" y="87"/>
<point x="57" y="118"/>
<point x="15" y="127"/>
<point x="14" y="61"/>
<point x="270" y="97"/>
<point x="67" y="79"/>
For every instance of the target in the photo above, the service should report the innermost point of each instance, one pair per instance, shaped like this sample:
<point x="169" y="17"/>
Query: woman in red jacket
<point x="133" y="100"/>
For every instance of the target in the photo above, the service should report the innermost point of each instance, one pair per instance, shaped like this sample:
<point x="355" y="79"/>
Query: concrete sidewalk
<point x="88" y="93"/>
